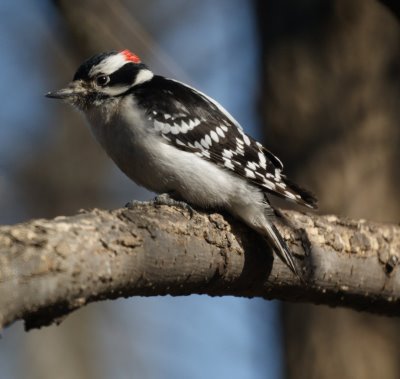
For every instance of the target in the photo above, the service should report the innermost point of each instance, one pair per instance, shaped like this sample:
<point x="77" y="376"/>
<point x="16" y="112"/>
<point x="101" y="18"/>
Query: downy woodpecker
<point x="172" y="138"/>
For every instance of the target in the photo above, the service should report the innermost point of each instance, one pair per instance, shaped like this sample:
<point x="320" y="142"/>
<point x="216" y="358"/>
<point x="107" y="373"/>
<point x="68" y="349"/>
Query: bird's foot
<point x="131" y="204"/>
<point x="168" y="199"/>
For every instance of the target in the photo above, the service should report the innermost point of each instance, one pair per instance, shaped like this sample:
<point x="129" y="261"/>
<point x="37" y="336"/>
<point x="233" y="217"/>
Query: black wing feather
<point x="191" y="121"/>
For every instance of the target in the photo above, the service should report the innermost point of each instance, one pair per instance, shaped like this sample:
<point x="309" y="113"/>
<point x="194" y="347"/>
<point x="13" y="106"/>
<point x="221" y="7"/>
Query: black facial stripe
<point x="125" y="75"/>
<point x="83" y="70"/>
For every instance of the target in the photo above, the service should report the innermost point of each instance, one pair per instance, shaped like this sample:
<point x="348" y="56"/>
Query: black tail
<point x="306" y="197"/>
<point x="278" y="244"/>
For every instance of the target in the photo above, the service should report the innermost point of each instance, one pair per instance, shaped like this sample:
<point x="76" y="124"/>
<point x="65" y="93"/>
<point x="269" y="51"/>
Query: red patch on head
<point x="129" y="56"/>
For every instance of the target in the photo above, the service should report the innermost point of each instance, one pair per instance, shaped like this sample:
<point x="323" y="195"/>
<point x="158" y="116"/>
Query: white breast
<point x="147" y="158"/>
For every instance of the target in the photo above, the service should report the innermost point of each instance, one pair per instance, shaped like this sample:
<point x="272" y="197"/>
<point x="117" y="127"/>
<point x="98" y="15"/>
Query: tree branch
<point x="48" y="268"/>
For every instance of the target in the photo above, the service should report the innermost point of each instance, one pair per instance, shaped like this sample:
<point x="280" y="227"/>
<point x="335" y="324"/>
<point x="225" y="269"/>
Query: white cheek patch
<point x="114" y="91"/>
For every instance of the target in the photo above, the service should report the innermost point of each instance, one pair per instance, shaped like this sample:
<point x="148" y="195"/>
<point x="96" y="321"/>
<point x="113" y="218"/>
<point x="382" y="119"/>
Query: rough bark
<point x="50" y="267"/>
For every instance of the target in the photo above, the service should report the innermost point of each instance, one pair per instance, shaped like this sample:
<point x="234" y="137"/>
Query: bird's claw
<point x="166" y="199"/>
<point x="131" y="204"/>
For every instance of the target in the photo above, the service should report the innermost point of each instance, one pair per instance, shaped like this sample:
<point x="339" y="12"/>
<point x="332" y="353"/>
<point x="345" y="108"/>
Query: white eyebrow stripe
<point x="108" y="65"/>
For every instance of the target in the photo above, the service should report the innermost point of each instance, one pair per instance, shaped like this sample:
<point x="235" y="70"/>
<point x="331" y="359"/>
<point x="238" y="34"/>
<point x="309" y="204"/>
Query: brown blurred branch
<point x="50" y="267"/>
<point x="393" y="6"/>
<point x="101" y="25"/>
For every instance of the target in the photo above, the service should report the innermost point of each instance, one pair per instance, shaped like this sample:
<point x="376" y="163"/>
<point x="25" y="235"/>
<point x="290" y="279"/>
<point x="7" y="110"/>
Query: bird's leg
<point x="169" y="198"/>
<point x="131" y="204"/>
<point x="172" y="199"/>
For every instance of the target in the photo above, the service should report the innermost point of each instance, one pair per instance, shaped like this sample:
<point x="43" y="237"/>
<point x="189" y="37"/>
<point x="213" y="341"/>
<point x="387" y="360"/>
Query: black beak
<point x="60" y="94"/>
<point x="65" y="93"/>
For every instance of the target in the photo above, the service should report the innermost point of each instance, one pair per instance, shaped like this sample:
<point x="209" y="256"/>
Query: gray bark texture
<point x="49" y="268"/>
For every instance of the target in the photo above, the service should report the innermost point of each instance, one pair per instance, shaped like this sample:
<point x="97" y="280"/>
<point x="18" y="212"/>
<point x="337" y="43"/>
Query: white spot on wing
<point x="249" y="173"/>
<point x="184" y="127"/>
<point x="206" y="153"/>
<point x="228" y="164"/>
<point x="220" y="132"/>
<point x="165" y="128"/>
<point x="158" y="126"/>
<point x="289" y="195"/>
<point x="214" y="136"/>
<point x="251" y="166"/>
<point x="263" y="161"/>
<point x="240" y="150"/>
<point x="204" y="143"/>
<point x="246" y="140"/>
<point x="193" y="123"/>
<point x="175" y="129"/>
<point x="239" y="141"/>
<point x="226" y="153"/>
<point x="269" y="184"/>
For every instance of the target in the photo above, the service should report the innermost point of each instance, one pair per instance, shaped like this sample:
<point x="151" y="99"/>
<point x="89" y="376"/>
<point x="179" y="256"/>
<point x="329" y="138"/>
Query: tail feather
<point x="275" y="239"/>
<point x="307" y="198"/>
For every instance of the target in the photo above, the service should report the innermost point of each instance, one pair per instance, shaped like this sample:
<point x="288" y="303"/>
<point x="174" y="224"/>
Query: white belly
<point x="150" y="161"/>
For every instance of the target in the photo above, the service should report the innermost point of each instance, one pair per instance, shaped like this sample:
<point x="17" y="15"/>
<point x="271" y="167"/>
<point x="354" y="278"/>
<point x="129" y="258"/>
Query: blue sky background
<point x="215" y="45"/>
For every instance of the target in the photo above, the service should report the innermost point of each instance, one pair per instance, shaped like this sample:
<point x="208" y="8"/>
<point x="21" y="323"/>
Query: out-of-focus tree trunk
<point x="69" y="170"/>
<point x="66" y="173"/>
<point x="331" y="111"/>
<point x="393" y="6"/>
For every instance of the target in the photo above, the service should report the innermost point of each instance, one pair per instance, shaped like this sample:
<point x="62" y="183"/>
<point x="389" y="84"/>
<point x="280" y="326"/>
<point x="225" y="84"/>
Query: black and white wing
<point x="192" y="121"/>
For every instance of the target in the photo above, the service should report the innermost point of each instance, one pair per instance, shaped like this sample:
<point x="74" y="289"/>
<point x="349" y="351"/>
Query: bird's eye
<point x="102" y="80"/>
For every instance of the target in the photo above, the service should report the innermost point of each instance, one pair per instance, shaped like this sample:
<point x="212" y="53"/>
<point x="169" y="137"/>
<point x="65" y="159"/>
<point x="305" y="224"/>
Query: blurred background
<point x="316" y="80"/>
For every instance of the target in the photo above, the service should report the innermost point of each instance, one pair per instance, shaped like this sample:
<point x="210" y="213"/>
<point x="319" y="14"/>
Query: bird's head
<point x="103" y="77"/>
